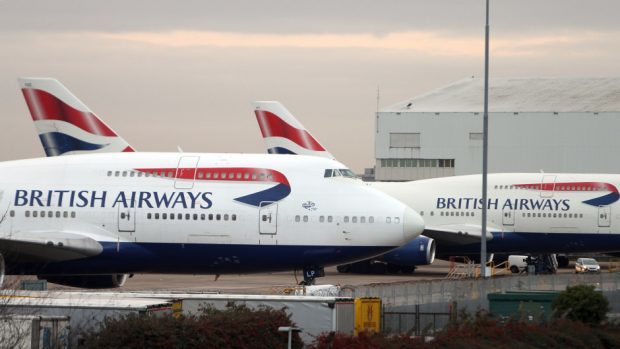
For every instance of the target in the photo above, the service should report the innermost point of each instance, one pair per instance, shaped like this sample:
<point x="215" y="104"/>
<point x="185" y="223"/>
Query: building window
<point x="404" y="140"/>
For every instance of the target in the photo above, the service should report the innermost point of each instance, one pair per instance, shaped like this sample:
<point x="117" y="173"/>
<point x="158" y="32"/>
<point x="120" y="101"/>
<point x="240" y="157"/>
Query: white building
<point x="535" y="124"/>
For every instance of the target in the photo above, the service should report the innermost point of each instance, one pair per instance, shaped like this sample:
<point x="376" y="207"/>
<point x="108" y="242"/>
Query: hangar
<point x="535" y="124"/>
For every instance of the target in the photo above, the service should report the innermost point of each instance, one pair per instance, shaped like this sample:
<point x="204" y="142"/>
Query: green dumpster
<point x="522" y="305"/>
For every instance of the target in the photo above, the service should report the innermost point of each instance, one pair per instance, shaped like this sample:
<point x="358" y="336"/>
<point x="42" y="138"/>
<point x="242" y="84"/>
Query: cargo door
<point x="547" y="186"/>
<point x="186" y="172"/>
<point x="268" y="218"/>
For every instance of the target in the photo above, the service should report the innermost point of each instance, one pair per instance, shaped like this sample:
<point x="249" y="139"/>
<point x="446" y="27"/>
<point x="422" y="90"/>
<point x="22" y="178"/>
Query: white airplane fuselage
<point x="526" y="212"/>
<point x="190" y="213"/>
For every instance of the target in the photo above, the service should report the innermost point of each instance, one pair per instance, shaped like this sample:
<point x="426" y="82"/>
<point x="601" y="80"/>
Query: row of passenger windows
<point x="199" y="175"/>
<point x="551" y="215"/>
<point x="417" y="162"/>
<point x="44" y="214"/>
<point x="556" y="188"/>
<point x="191" y="216"/>
<point x="347" y="219"/>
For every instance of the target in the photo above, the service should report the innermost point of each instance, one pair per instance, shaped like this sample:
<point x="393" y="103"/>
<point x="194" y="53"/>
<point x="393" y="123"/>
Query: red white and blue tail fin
<point x="283" y="134"/>
<point x="65" y="124"/>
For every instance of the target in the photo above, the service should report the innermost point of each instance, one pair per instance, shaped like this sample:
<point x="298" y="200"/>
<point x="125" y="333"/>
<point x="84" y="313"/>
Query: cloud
<point x="423" y="42"/>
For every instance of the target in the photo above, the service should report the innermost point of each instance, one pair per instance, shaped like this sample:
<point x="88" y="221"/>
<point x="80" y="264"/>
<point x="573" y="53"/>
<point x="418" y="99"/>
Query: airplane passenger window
<point x="233" y="217"/>
<point x="210" y="216"/>
<point x="396" y="220"/>
<point x="122" y="215"/>
<point x="362" y="219"/>
<point x="218" y="217"/>
<point x="124" y="173"/>
<point x="472" y="214"/>
<point x="433" y="213"/>
<point x="330" y="219"/>
<point x="305" y="218"/>
<point x="12" y="213"/>
<point x="65" y="214"/>
<point x="35" y="213"/>
<point x="208" y="174"/>
<point x="187" y="216"/>
<point x="50" y="214"/>
<point x="148" y="216"/>
<point x="441" y="213"/>
<point x="346" y="219"/>
<point x="202" y="216"/>
<point x="388" y="220"/>
<point x="321" y="219"/>
<point x="109" y="173"/>
<point x="200" y="175"/>
<point x="172" y="216"/>
<point x="117" y="173"/>
<point x="297" y="218"/>
<point x="226" y="216"/>
<point x="354" y="219"/>
<point x="156" y="215"/>
<point x="238" y="175"/>
<point x="371" y="219"/>
<point x="27" y="213"/>
<point x="581" y="215"/>
<point x="195" y="216"/>
<point x="179" y="216"/>
<point x="42" y="213"/>
<point x="139" y="174"/>
<point x="216" y="175"/>
<point x="164" y="216"/>
<point x="246" y="175"/>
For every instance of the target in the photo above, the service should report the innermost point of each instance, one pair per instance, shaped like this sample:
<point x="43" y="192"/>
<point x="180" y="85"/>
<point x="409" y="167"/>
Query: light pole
<point x="485" y="146"/>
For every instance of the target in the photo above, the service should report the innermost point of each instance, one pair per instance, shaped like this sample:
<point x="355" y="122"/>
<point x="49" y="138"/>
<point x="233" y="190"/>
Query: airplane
<point x="90" y="220"/>
<point x="527" y="212"/>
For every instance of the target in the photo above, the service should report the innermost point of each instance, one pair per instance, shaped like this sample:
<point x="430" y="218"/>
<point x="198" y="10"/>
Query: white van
<point x="517" y="263"/>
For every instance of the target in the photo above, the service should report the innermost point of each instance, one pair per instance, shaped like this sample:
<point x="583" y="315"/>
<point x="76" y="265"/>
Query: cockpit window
<point x="339" y="172"/>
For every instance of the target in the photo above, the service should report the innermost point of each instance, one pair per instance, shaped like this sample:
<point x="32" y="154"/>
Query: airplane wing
<point x="460" y="234"/>
<point x="48" y="246"/>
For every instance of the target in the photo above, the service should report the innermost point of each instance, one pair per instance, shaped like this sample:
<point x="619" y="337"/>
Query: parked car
<point x="517" y="263"/>
<point x="587" y="265"/>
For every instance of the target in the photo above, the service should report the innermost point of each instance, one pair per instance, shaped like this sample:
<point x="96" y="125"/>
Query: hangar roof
<point x="519" y="95"/>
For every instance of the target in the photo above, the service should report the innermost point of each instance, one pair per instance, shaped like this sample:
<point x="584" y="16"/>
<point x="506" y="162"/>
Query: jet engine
<point x="420" y="251"/>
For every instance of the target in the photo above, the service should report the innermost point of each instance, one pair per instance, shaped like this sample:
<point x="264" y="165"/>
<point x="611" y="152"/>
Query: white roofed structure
<point x="549" y="124"/>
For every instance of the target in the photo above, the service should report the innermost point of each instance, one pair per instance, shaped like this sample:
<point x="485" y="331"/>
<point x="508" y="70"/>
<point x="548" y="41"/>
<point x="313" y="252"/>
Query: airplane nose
<point x="413" y="224"/>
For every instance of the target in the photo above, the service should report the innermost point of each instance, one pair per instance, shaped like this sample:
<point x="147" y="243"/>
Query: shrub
<point x="581" y="303"/>
<point x="234" y="327"/>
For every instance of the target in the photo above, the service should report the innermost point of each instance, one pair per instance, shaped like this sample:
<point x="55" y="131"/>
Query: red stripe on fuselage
<point x="273" y="126"/>
<point x="570" y="186"/>
<point x="44" y="106"/>
<point x="240" y="174"/>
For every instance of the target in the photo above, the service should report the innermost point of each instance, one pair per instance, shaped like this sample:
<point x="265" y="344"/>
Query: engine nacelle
<point x="87" y="281"/>
<point x="420" y="251"/>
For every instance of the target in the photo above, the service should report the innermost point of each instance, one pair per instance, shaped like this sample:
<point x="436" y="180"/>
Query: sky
<point x="169" y="74"/>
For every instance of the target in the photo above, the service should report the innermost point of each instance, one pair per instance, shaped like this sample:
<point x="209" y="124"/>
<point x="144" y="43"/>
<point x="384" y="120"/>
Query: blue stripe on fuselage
<point x="200" y="259"/>
<point x="519" y="243"/>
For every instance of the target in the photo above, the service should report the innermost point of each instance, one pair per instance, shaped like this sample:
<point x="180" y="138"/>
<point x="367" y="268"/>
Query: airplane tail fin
<point x="283" y="134"/>
<point x="65" y="124"/>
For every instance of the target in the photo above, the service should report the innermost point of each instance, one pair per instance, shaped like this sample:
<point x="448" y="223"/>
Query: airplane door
<point x="508" y="217"/>
<point x="547" y="186"/>
<point x="604" y="216"/>
<point x="126" y="219"/>
<point x="268" y="218"/>
<point x="186" y="172"/>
